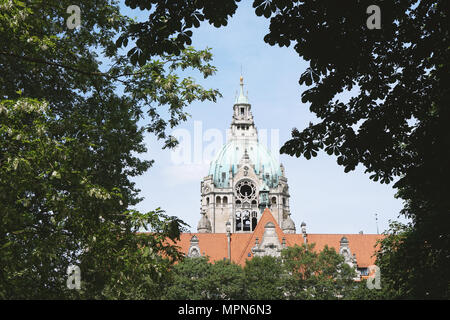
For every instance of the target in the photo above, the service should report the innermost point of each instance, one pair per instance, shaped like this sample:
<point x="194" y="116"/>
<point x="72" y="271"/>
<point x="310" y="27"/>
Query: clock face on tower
<point x="245" y="190"/>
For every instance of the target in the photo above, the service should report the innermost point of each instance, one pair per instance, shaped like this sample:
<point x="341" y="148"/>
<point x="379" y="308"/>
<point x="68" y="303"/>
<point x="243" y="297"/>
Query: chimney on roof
<point x="303" y="227"/>
<point x="228" y="228"/>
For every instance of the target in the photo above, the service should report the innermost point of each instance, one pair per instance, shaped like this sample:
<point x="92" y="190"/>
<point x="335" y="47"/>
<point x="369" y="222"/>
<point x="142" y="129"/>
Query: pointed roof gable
<point x="258" y="233"/>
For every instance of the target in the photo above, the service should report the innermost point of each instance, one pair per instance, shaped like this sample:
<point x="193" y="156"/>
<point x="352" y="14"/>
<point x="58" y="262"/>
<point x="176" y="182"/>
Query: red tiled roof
<point x="363" y="245"/>
<point x="215" y="245"/>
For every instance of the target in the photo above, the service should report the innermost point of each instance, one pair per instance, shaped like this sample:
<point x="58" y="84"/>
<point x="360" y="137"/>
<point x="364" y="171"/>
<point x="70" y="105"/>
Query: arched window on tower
<point x="225" y="201"/>
<point x="238" y="221"/>
<point x="246" y="221"/>
<point x="218" y="201"/>
<point x="284" y="201"/>
<point x="207" y="201"/>
<point x="274" y="200"/>
<point x="254" y="204"/>
<point x="254" y="219"/>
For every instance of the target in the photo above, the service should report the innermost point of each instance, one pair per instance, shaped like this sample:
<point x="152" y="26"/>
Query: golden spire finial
<point x="241" y="78"/>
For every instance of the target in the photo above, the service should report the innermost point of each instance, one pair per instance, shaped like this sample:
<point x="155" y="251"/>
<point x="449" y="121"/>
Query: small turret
<point x="288" y="225"/>
<point x="204" y="225"/>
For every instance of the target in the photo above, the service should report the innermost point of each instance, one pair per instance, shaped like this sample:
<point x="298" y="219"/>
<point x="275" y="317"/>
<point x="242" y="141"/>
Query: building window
<point x="246" y="190"/>
<point x="364" y="271"/>
<point x="254" y="219"/>
<point x="246" y="221"/>
<point x="242" y="111"/>
<point x="238" y="221"/>
<point x="218" y="200"/>
<point x="225" y="201"/>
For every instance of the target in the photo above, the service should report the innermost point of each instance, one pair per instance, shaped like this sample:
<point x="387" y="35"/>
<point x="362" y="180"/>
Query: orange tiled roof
<point x="215" y="245"/>
<point x="363" y="245"/>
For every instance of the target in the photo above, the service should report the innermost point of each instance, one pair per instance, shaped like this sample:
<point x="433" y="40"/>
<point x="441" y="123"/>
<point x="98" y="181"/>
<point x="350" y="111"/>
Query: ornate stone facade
<point x="344" y="250"/>
<point x="194" y="249"/>
<point x="270" y="244"/>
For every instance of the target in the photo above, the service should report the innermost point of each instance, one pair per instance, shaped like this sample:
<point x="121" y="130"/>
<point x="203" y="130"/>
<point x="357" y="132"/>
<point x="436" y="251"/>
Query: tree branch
<point x="88" y="73"/>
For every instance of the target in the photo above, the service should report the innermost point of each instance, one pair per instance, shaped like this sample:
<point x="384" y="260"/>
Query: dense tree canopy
<point x="70" y="103"/>
<point x="317" y="275"/>
<point x="263" y="278"/>
<point x="198" y="279"/>
<point x="300" y="273"/>
<point x="396" y="121"/>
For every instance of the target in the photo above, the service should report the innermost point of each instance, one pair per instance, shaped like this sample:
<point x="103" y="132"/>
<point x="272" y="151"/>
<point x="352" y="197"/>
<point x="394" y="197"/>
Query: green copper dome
<point x="230" y="156"/>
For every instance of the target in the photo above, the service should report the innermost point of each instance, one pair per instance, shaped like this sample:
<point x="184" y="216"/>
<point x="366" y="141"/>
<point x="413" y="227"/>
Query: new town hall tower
<point x="244" y="179"/>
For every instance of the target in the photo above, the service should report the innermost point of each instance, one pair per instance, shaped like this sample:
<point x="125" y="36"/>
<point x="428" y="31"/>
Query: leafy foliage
<point x="168" y="28"/>
<point x="411" y="269"/>
<point x="197" y="279"/>
<point x="54" y="214"/>
<point x="317" y="275"/>
<point x="263" y="278"/>
<point x="71" y="105"/>
<point x="300" y="273"/>
<point x="190" y="280"/>
<point x="394" y="124"/>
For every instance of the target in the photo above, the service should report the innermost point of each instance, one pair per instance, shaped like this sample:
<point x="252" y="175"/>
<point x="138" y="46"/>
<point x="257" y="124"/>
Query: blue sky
<point x="322" y="195"/>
